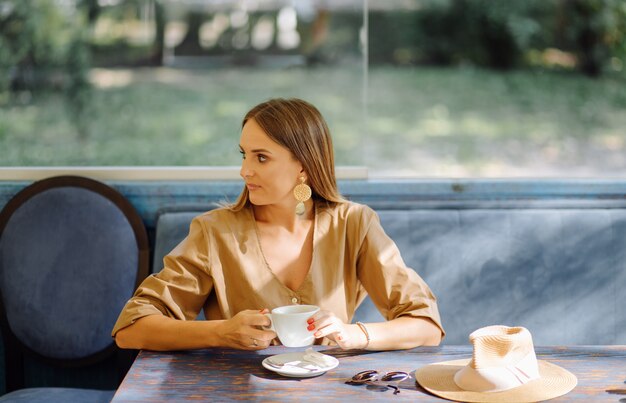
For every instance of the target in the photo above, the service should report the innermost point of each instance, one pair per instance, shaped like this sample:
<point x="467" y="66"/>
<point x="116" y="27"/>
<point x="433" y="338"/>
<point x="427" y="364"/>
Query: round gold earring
<point x="302" y="193"/>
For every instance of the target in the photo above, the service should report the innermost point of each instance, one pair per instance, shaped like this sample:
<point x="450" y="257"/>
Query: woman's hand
<point x="243" y="331"/>
<point x="347" y="336"/>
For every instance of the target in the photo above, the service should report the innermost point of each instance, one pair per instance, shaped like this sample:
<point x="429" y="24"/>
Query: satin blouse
<point x="220" y="267"/>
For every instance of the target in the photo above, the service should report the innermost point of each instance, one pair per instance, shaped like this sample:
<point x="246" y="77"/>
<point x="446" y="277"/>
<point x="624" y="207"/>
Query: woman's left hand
<point x="326" y="324"/>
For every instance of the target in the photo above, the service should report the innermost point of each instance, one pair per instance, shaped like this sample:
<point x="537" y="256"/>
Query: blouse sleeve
<point x="180" y="289"/>
<point x="395" y="289"/>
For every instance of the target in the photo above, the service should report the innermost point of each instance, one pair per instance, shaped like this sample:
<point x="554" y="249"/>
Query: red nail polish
<point x="309" y="321"/>
<point x="310" y="327"/>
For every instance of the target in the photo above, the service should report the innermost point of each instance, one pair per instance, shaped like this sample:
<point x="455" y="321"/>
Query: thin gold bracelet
<point x="367" y="335"/>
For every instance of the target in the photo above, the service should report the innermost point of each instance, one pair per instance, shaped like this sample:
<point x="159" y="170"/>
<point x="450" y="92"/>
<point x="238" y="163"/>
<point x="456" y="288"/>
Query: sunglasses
<point x="371" y="376"/>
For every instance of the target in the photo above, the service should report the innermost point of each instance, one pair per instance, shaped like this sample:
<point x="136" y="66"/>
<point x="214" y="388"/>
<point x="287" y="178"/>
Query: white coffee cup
<point x="290" y="324"/>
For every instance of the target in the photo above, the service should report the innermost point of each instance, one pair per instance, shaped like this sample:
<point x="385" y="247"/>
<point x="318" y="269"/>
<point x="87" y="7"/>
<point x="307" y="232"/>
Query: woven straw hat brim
<point x="438" y="379"/>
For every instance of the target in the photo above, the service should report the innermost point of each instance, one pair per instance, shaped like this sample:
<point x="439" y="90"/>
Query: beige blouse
<point x="219" y="267"/>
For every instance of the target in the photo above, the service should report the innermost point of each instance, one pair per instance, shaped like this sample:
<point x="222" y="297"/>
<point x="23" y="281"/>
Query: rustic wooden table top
<point x="226" y="375"/>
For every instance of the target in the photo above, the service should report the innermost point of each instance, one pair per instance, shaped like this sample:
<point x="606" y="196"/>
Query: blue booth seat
<point x="72" y="252"/>
<point x="554" y="268"/>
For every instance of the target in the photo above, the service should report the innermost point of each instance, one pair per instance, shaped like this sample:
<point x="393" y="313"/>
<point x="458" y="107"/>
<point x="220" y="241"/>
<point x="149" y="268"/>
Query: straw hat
<point x="503" y="368"/>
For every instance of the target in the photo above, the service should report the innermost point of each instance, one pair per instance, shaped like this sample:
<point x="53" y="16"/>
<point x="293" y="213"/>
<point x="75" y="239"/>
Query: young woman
<point x="289" y="239"/>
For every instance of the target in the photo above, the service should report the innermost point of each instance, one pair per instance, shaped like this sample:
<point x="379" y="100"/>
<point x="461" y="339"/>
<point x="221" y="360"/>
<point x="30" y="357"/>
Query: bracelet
<point x="367" y="335"/>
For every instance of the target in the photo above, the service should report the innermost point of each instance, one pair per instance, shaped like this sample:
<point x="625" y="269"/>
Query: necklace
<point x="311" y="232"/>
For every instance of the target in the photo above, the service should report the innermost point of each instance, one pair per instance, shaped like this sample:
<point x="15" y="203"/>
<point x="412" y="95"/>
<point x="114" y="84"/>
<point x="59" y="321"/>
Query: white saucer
<point x="298" y="370"/>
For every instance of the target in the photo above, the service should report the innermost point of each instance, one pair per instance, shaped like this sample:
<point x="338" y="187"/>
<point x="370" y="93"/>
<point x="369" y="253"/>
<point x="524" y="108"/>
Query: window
<point x="410" y="88"/>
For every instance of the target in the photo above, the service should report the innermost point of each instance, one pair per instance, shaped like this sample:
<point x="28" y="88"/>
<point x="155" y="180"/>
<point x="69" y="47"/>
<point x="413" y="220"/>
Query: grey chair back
<point x="72" y="252"/>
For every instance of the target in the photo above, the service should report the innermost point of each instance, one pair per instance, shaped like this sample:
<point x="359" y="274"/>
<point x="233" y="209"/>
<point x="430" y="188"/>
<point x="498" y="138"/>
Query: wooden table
<point x="226" y="375"/>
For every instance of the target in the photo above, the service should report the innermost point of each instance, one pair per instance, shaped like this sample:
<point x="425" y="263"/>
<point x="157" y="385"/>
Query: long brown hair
<point x="298" y="126"/>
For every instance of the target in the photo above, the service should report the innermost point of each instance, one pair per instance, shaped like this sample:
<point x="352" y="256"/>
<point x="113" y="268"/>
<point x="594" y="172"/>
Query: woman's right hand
<point x="243" y="331"/>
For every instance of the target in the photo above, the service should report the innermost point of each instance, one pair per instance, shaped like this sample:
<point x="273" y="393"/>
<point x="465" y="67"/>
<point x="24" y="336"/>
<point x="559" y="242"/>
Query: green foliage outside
<point x="501" y="34"/>
<point x="41" y="47"/>
<point x="424" y="121"/>
<point x="510" y="91"/>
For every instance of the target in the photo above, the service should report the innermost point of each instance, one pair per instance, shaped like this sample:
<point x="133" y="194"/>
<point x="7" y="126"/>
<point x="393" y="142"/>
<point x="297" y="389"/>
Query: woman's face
<point x="268" y="168"/>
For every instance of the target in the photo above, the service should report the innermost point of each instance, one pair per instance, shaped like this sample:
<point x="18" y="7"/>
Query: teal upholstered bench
<point x="556" y="267"/>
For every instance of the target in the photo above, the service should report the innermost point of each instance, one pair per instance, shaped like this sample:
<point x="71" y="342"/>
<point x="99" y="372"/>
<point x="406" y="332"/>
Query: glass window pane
<point x="410" y="88"/>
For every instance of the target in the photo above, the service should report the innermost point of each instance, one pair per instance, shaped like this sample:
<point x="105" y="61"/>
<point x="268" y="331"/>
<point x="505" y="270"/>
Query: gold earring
<point x="302" y="193"/>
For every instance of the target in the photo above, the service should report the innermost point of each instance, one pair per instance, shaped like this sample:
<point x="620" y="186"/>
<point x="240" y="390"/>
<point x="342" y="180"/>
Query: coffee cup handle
<point x="271" y="326"/>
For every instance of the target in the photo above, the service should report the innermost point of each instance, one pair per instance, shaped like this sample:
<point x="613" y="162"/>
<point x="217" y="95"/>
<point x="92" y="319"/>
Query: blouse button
<point x="294" y="300"/>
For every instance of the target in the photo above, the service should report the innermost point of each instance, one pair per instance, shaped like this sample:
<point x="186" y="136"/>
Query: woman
<point x="289" y="239"/>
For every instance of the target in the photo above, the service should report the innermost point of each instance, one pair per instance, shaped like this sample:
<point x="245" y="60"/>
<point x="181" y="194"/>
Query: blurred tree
<point x="159" y="34"/>
<point x="487" y="33"/>
<point x="594" y="30"/>
<point x="190" y="44"/>
<point x="393" y="33"/>
<point x="500" y="31"/>
<point x="500" y="34"/>
<point x="43" y="46"/>
<point x="116" y="46"/>
<point x="92" y="9"/>
<point x="37" y="38"/>
<point x="483" y="32"/>
<point x="314" y="35"/>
